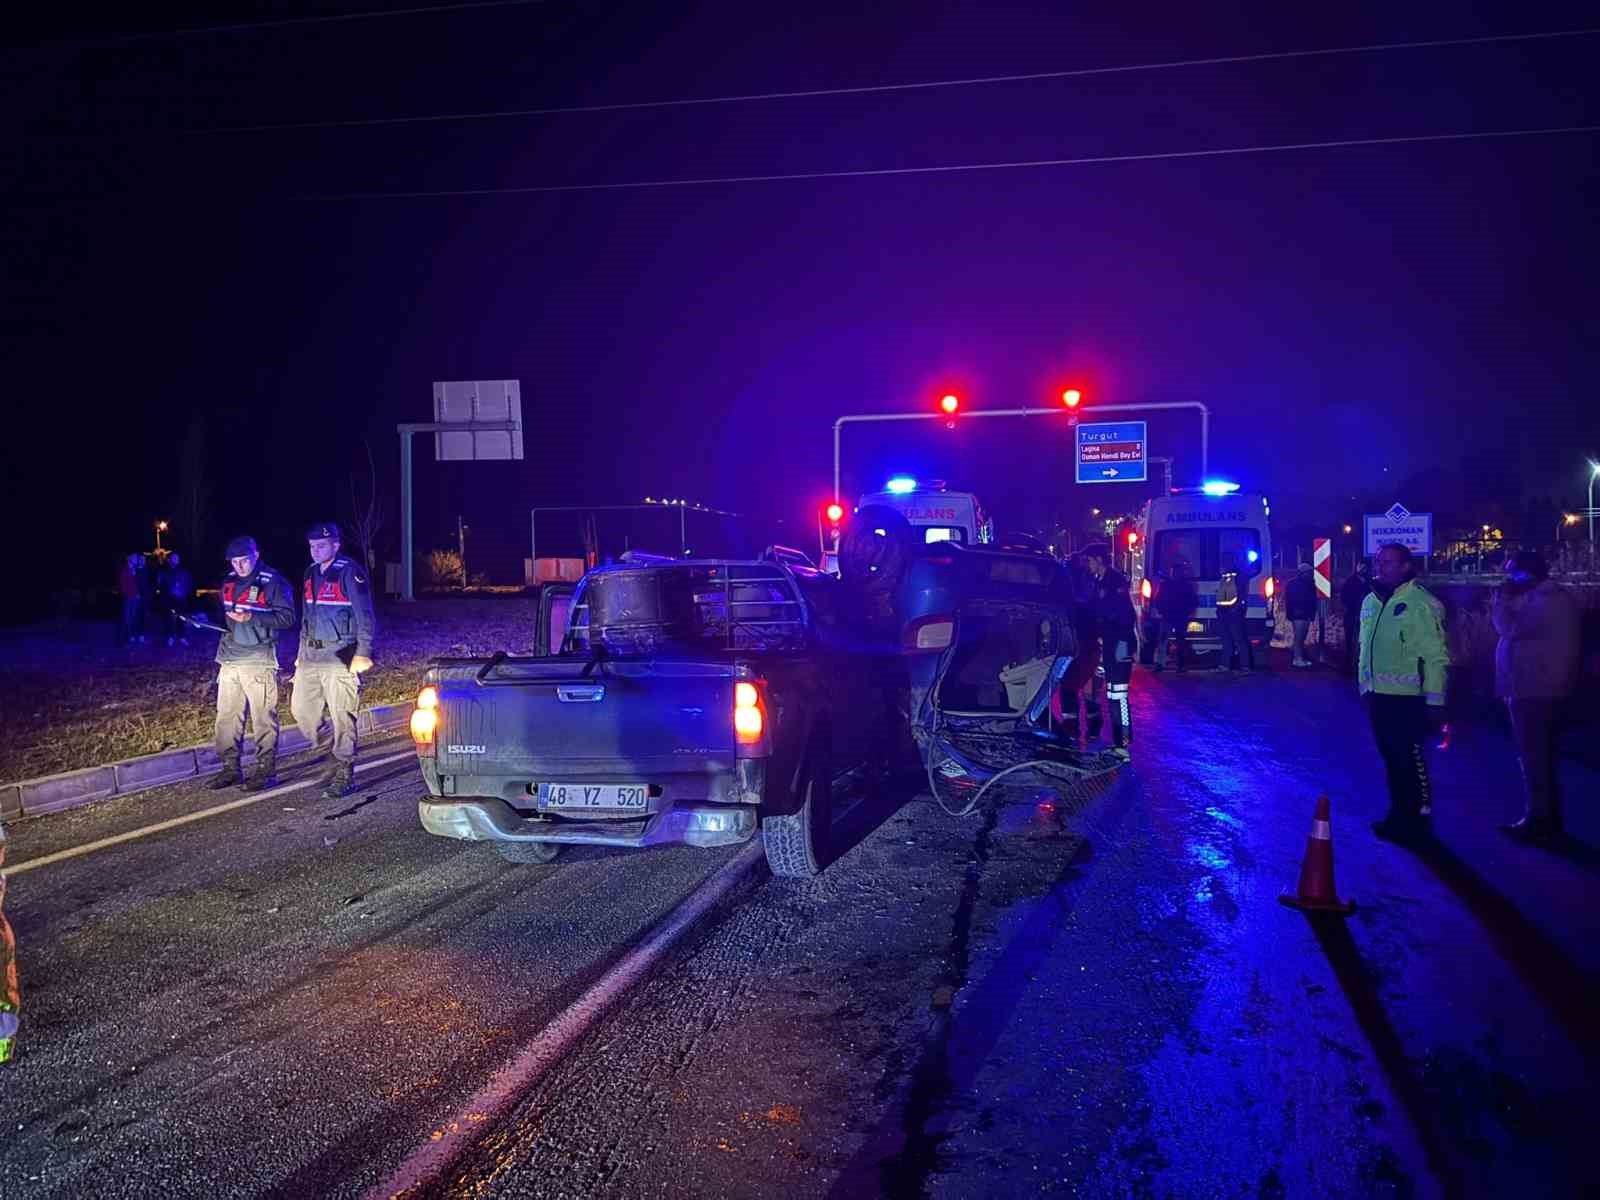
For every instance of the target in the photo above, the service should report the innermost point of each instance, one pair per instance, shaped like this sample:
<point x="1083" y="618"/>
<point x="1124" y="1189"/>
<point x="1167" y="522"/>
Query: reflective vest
<point x="1403" y="648"/>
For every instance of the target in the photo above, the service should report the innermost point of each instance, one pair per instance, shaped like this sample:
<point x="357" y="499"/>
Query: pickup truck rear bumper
<point x="485" y="819"/>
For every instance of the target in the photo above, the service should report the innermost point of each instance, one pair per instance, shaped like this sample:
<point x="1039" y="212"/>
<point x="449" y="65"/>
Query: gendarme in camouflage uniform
<point x="337" y="630"/>
<point x="257" y="605"/>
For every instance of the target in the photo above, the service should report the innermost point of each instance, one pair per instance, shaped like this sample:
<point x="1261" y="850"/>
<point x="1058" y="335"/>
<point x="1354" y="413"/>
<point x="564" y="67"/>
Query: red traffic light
<point x="1133" y="538"/>
<point x="950" y="404"/>
<point x="835" y="512"/>
<point x="1072" y="397"/>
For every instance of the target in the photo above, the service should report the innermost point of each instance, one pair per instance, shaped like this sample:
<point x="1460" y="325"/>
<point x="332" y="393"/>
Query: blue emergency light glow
<point x="900" y="485"/>
<point x="1215" y="487"/>
<point x="1253" y="555"/>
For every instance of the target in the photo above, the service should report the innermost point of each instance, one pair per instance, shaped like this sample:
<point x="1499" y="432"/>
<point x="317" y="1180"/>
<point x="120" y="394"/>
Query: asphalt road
<point x="1094" y="994"/>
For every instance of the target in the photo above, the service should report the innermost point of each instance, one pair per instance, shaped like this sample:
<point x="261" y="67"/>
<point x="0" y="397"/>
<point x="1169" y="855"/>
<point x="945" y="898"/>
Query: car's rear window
<point x="659" y="610"/>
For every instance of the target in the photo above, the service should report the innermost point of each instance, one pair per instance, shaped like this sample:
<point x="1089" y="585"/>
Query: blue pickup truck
<point x="692" y="701"/>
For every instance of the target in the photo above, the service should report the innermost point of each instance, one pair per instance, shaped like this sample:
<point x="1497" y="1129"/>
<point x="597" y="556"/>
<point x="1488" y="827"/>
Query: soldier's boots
<point x="263" y="774"/>
<point x="228" y="776"/>
<point x="341" y="782"/>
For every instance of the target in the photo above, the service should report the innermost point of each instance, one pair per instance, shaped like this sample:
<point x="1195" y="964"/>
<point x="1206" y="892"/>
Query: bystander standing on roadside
<point x="1535" y="670"/>
<point x="128" y="623"/>
<point x="1300" y="597"/>
<point x="146" y="575"/>
<point x="10" y="989"/>
<point x="1176" y="603"/>
<point x="1402" y="673"/>
<point x="1352" y="595"/>
<point x="337" y="633"/>
<point x="257" y="604"/>
<point x="174" y="592"/>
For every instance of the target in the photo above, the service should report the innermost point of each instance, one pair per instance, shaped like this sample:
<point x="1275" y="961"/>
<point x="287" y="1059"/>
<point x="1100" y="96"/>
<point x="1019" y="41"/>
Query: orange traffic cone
<point x="1314" y="892"/>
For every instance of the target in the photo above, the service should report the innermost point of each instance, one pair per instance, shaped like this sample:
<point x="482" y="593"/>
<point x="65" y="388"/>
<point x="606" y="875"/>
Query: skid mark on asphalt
<point x="902" y="1153"/>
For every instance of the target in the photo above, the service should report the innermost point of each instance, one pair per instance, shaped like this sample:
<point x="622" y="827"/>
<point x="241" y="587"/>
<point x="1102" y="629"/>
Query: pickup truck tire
<point x="528" y="852"/>
<point x="797" y="846"/>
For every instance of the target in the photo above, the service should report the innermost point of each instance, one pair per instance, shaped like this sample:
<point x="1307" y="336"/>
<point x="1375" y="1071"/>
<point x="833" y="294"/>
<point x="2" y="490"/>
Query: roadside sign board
<point x="1412" y="530"/>
<point x="1113" y="452"/>
<point x="467" y="402"/>
<point x="1322" y="566"/>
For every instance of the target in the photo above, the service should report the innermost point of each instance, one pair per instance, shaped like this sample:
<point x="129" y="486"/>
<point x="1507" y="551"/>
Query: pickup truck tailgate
<point x="563" y="717"/>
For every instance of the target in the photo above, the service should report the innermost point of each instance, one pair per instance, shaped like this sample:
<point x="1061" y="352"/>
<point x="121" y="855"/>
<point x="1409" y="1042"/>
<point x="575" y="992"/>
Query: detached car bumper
<point x="485" y="819"/>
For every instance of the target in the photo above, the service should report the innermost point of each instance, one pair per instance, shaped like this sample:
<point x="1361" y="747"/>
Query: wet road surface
<point x="1094" y="994"/>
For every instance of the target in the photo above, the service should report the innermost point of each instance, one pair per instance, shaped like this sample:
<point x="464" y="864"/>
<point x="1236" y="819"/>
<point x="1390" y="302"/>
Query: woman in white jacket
<point x="1535" y="669"/>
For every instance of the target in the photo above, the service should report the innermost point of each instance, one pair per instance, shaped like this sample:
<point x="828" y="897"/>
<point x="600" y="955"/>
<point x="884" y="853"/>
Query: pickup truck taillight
<point x="927" y="634"/>
<point x="425" y="719"/>
<point x="750" y="721"/>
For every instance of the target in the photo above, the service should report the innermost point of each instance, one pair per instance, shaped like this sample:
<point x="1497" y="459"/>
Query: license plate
<point x="568" y="796"/>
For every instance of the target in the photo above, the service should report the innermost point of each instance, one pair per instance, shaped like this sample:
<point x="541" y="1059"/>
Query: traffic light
<point x="1133" y="538"/>
<point x="1072" y="397"/>
<point x="829" y="517"/>
<point x="949" y="404"/>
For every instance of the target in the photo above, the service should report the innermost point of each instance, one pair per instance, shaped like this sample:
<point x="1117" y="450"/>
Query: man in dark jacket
<point x="174" y="591"/>
<point x="1114" y="620"/>
<point x="1175" y="603"/>
<point x="257" y="605"/>
<point x="1081" y="682"/>
<point x="1300" y="597"/>
<point x="337" y="630"/>
<point x="1352" y="595"/>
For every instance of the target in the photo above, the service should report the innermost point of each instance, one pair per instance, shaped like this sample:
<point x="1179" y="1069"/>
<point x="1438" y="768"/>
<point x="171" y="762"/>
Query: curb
<point x="73" y="789"/>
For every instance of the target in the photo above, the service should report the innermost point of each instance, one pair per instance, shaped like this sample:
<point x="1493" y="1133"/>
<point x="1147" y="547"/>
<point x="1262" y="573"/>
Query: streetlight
<point x="161" y="527"/>
<point x="1566" y="519"/>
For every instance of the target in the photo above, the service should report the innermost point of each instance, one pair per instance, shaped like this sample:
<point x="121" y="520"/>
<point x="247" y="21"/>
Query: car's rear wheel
<point x="528" y="852"/>
<point x="798" y="846"/>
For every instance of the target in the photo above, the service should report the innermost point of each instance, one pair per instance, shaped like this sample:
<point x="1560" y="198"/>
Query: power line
<point x="958" y="167"/>
<point x="927" y="85"/>
<point x="285" y="22"/>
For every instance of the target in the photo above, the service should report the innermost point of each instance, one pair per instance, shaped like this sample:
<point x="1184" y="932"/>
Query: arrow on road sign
<point x="1110" y="473"/>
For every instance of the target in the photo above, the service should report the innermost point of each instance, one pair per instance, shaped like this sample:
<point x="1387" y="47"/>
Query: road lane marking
<point x="451" y="1139"/>
<point x="133" y="834"/>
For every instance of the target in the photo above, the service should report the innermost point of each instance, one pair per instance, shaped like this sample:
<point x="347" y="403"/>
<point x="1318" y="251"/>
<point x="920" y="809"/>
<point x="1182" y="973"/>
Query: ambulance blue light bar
<point x="1216" y="487"/>
<point x="900" y="485"/>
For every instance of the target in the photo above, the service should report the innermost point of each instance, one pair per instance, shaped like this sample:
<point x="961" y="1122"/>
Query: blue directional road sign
<point x="1112" y="452"/>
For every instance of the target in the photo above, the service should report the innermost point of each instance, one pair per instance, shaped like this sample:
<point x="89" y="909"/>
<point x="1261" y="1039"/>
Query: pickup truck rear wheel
<point x="528" y="852"/>
<point x="798" y="846"/>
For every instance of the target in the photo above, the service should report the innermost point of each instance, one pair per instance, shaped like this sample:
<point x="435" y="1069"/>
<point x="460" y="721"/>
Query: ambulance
<point x="935" y="512"/>
<point x="1201" y="528"/>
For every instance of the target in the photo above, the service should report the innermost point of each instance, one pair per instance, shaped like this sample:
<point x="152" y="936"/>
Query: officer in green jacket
<point x="1402" y="674"/>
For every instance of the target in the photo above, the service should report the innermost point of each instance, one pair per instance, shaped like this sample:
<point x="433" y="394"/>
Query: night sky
<point x="1352" y="316"/>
